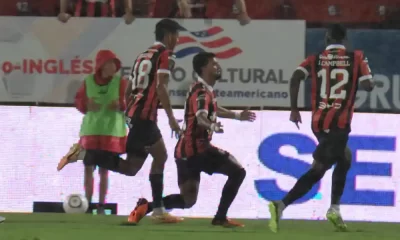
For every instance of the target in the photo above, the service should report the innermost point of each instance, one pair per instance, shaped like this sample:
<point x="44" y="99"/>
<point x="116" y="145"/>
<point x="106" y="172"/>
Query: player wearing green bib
<point x="103" y="131"/>
<point x="101" y="99"/>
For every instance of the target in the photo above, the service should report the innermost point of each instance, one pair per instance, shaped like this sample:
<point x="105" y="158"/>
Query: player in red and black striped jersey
<point x="195" y="154"/>
<point x="336" y="74"/>
<point x="146" y="90"/>
<point x="94" y="8"/>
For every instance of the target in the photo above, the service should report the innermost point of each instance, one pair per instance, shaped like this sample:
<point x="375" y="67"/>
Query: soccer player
<point x="2" y="219"/>
<point x="336" y="73"/>
<point x="95" y="8"/>
<point x="195" y="154"/>
<point x="147" y="89"/>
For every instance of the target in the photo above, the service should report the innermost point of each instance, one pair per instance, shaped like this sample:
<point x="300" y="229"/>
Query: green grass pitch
<point x="88" y="227"/>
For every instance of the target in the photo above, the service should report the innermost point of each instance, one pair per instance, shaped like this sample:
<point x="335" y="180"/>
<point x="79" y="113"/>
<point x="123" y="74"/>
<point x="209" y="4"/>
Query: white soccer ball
<point x="76" y="203"/>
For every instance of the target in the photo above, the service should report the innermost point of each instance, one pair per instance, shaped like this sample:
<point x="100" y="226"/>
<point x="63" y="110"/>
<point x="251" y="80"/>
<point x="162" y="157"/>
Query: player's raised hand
<point x="247" y="115"/>
<point x="129" y="18"/>
<point x="217" y="127"/>
<point x="92" y="105"/>
<point x="295" y="117"/>
<point x="63" y="17"/>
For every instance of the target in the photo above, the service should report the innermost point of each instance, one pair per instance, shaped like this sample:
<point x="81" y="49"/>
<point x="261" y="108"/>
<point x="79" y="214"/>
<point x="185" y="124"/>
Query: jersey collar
<point x="335" y="46"/>
<point x="205" y="84"/>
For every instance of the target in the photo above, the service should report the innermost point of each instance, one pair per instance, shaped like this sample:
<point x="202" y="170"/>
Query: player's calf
<point x="338" y="183"/>
<point x="159" y="154"/>
<point x="229" y="192"/>
<point x="302" y="186"/>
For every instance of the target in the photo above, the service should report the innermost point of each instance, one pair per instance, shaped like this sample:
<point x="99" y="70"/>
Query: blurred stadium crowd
<point x="354" y="13"/>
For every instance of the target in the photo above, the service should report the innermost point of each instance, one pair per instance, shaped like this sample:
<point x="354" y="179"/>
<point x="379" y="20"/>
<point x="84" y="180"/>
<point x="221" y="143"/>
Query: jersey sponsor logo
<point x="332" y="57"/>
<point x="193" y="42"/>
<point x="323" y="105"/>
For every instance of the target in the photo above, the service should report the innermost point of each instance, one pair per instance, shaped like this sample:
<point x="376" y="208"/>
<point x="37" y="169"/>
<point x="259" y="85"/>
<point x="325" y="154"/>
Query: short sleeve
<point x="163" y="65"/>
<point x="364" y="69"/>
<point x="305" y="66"/>
<point x="200" y="102"/>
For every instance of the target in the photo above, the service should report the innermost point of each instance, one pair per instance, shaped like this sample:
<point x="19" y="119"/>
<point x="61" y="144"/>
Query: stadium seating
<point x="313" y="11"/>
<point x="28" y="7"/>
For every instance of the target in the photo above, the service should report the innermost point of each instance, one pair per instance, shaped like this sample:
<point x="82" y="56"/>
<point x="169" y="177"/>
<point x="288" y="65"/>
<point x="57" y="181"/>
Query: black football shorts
<point x="101" y="158"/>
<point x="142" y="134"/>
<point x="331" y="146"/>
<point x="212" y="160"/>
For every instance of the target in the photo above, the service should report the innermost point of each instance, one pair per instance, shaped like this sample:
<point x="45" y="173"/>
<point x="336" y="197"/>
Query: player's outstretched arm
<point x="295" y="81"/>
<point x="245" y="115"/>
<point x="225" y="113"/>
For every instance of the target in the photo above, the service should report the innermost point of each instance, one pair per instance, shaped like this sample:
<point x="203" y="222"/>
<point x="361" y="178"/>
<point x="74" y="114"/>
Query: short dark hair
<point x="201" y="60"/>
<point x="166" y="26"/>
<point x="337" y="32"/>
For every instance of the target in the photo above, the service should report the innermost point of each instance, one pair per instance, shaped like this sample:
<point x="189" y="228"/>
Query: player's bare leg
<point x="113" y="162"/>
<point x="302" y="186"/>
<point x="236" y="174"/>
<point x="103" y="190"/>
<point x="88" y="183"/>
<point x="159" y="154"/>
<point x="338" y="183"/>
<point x="75" y="153"/>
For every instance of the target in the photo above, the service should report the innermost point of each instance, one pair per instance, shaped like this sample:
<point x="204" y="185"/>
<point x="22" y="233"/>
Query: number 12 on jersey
<point x="333" y="74"/>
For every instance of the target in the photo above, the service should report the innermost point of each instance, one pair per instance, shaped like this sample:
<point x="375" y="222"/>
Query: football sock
<point x="157" y="187"/>
<point x="229" y="193"/>
<point x="302" y="186"/>
<point x="172" y="201"/>
<point x="335" y="208"/>
<point x="338" y="182"/>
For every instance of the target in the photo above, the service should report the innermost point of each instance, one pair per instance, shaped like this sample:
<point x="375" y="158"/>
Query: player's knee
<point x="131" y="171"/>
<point x="161" y="159"/>
<point x="190" y="200"/>
<point x="158" y="164"/>
<point x="103" y="173"/>
<point x="89" y="171"/>
<point x="239" y="175"/>
<point x="348" y="156"/>
<point x="318" y="169"/>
